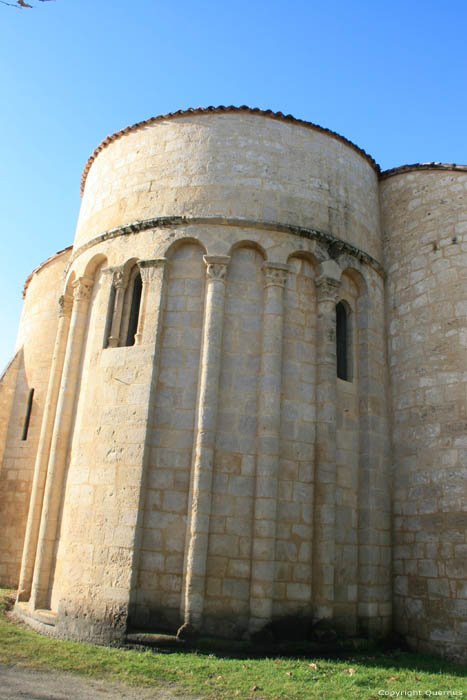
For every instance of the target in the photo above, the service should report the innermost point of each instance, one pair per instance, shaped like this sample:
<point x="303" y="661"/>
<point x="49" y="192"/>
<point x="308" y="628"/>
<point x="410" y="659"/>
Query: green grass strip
<point x="358" y="677"/>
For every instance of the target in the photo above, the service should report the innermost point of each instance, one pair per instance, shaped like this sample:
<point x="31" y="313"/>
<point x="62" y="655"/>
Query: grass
<point x="357" y="677"/>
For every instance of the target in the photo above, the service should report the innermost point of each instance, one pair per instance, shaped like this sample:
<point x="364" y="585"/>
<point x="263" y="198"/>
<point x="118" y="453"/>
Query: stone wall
<point x="10" y="489"/>
<point x="425" y="238"/>
<point x="166" y="499"/>
<point x="210" y="472"/>
<point x="241" y="550"/>
<point x="89" y="580"/>
<point x="151" y="444"/>
<point x="29" y="370"/>
<point x="236" y="165"/>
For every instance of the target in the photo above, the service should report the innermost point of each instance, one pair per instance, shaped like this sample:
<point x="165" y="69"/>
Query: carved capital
<point x="65" y="303"/>
<point x="82" y="289"/>
<point x="149" y="269"/>
<point x="216" y="267"/>
<point x="275" y="274"/>
<point x="119" y="279"/>
<point x="327" y="289"/>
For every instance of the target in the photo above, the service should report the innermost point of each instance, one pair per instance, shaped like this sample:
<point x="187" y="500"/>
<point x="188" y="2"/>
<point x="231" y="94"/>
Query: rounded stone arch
<point x="246" y="266"/>
<point x="88" y="271"/>
<point x="128" y="266"/>
<point x="180" y="241"/>
<point x="345" y="304"/>
<point x="304" y="255"/>
<point x="133" y="286"/>
<point x="356" y="273"/>
<point x="300" y="263"/>
<point x="351" y="313"/>
<point x="345" y="332"/>
<point x="248" y="243"/>
<point x="94" y="264"/>
<point x="68" y="283"/>
<point x="93" y="271"/>
<point x="359" y="317"/>
<point x="124" y="301"/>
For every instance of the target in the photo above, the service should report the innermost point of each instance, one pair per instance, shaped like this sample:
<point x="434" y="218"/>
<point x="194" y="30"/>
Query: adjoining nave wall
<point x="204" y="455"/>
<point x="425" y="234"/>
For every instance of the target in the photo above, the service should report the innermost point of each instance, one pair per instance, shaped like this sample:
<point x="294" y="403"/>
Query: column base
<point x="106" y="627"/>
<point x="187" y="631"/>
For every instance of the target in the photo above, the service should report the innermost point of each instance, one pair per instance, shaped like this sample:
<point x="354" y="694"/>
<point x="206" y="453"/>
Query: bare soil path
<point x="18" y="683"/>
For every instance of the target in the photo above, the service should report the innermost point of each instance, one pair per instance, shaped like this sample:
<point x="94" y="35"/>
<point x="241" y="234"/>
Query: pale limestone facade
<point x="192" y="459"/>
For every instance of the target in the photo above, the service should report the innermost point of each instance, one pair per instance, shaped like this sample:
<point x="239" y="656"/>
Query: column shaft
<point x="324" y="545"/>
<point x="153" y="275"/>
<point x="374" y="584"/>
<point x="119" y="282"/>
<point x="59" y="444"/>
<point x="268" y="444"/>
<point x="204" y="444"/>
<point x="43" y="451"/>
<point x="149" y="269"/>
<point x="153" y="293"/>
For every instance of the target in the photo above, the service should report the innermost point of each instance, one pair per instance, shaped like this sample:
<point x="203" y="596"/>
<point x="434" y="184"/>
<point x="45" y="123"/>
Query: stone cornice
<point x="268" y="113"/>
<point x="43" y="264"/>
<point x="335" y="246"/>
<point x="402" y="169"/>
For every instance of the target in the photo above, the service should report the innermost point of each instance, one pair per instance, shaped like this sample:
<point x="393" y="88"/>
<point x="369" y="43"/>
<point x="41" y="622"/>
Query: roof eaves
<point x="219" y="110"/>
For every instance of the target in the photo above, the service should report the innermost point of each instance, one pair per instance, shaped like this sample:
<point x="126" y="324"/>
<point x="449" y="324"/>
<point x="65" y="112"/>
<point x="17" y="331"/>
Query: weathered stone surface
<point x="193" y="460"/>
<point x="425" y="259"/>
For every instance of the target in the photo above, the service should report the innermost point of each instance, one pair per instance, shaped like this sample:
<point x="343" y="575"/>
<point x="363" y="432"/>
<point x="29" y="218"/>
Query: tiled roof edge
<point x="421" y="166"/>
<point x="43" y="264"/>
<point x="219" y="110"/>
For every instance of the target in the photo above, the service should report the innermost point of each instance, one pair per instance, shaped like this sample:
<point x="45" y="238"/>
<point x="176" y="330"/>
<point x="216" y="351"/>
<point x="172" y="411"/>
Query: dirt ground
<point x="17" y="683"/>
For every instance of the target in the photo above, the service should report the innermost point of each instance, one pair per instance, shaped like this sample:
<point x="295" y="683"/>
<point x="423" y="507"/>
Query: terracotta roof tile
<point x="39" y="267"/>
<point x="421" y="166"/>
<point x="272" y="115"/>
<point x="209" y="110"/>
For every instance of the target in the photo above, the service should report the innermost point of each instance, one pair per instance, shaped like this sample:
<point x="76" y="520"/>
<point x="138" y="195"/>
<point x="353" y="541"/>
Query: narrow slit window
<point x="134" y="310"/>
<point x="108" y="320"/>
<point x="28" y="415"/>
<point x="342" y="342"/>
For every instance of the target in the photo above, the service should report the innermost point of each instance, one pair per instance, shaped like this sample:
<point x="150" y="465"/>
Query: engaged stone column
<point x="59" y="443"/>
<point x="152" y="278"/>
<point x="204" y="443"/>
<point x="374" y="534"/>
<point x="268" y="440"/>
<point x="119" y="283"/>
<point x="324" y="545"/>
<point x="43" y="450"/>
<point x="154" y="281"/>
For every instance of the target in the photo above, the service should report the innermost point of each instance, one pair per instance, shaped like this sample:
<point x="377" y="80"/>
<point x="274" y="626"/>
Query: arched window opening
<point x="134" y="309"/>
<point x="124" y="307"/>
<point x="28" y="415"/>
<point x="342" y="342"/>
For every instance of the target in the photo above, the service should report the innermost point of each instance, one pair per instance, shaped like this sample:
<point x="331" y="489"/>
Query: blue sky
<point x="390" y="76"/>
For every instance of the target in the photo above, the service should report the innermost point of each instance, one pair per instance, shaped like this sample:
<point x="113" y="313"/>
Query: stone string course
<point x="212" y="474"/>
